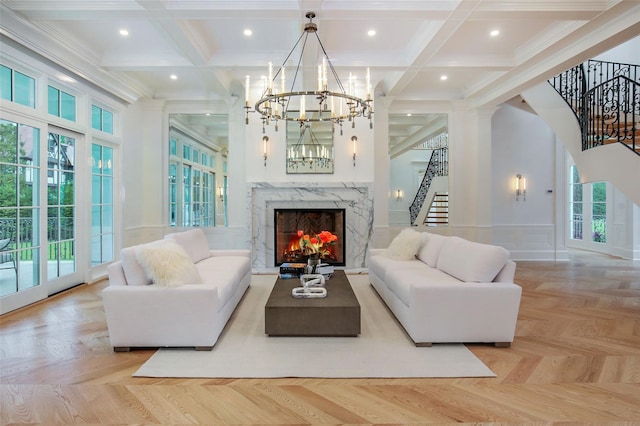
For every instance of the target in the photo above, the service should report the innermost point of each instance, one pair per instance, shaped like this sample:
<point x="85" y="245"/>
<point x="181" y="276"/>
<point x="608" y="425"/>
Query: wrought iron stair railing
<point x="438" y="166"/>
<point x="605" y="97"/>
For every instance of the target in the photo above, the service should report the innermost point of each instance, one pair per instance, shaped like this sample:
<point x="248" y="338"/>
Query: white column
<point x="380" y="237"/>
<point x="470" y="191"/>
<point x="144" y="158"/>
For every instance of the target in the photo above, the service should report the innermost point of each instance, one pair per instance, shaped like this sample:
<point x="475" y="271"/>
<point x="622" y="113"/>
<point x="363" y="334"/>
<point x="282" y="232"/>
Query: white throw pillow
<point x="405" y="245"/>
<point x="430" y="250"/>
<point x="471" y="262"/>
<point x="133" y="270"/>
<point x="168" y="264"/>
<point x="194" y="242"/>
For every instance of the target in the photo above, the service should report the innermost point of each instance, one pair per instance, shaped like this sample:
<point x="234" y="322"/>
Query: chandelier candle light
<point x="304" y="106"/>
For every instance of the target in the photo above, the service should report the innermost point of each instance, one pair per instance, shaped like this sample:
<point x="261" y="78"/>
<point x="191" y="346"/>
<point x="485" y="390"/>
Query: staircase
<point x="610" y="162"/>
<point x="438" y="214"/>
<point x="605" y="98"/>
<point x="431" y="204"/>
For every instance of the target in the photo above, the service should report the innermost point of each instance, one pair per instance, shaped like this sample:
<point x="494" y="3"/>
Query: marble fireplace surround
<point x="355" y="197"/>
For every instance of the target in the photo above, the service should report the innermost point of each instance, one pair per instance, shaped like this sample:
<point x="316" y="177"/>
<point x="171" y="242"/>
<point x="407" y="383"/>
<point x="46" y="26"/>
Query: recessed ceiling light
<point x="248" y="32"/>
<point x="371" y="33"/>
<point x="409" y="115"/>
<point x="124" y="32"/>
<point x="494" y="33"/>
<point x="174" y="77"/>
<point x="443" y="77"/>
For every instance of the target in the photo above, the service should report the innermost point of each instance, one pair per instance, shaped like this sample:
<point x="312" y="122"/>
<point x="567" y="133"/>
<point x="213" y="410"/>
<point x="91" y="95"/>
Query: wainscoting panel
<point x="529" y="242"/>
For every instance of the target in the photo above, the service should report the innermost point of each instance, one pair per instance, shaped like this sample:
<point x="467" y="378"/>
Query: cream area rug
<point x="381" y="350"/>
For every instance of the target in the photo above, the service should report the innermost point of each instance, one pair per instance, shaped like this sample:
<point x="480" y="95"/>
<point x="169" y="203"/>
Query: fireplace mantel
<point x="355" y="197"/>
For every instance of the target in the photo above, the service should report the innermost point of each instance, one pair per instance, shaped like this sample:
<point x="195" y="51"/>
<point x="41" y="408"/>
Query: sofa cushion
<point x="405" y="245"/>
<point x="471" y="262"/>
<point x="168" y="264"/>
<point x="430" y="249"/>
<point x="411" y="274"/>
<point x="194" y="242"/>
<point x="224" y="272"/>
<point x="381" y="264"/>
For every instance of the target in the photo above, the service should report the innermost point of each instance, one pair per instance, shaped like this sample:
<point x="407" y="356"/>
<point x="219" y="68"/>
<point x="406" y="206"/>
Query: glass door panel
<point x="61" y="239"/>
<point x="20" y="279"/>
<point x="102" y="236"/>
<point x="599" y="212"/>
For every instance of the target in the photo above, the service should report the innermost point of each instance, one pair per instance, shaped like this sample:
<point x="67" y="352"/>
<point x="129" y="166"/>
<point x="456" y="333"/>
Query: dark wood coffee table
<point x="338" y="314"/>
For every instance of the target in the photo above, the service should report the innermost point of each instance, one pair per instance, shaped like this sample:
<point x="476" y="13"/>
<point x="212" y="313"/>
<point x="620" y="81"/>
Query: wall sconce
<point x="354" y="139"/>
<point x="265" y="139"/>
<point x="398" y="194"/>
<point x="221" y="193"/>
<point x="521" y="187"/>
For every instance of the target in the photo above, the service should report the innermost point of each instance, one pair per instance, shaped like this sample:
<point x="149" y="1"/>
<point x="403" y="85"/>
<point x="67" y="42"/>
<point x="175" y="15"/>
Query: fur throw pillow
<point x="405" y="245"/>
<point x="168" y="264"/>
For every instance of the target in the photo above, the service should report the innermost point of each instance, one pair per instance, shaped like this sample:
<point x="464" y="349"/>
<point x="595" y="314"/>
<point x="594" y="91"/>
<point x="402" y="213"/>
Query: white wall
<point x="144" y="161"/>
<point x="626" y="53"/>
<point x="523" y="143"/>
<point x="275" y="169"/>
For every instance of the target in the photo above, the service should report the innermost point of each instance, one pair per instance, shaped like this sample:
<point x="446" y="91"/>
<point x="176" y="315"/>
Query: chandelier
<point x="337" y="105"/>
<point x="309" y="153"/>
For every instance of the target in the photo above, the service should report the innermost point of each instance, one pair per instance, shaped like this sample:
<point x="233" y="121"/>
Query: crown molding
<point x="38" y="42"/>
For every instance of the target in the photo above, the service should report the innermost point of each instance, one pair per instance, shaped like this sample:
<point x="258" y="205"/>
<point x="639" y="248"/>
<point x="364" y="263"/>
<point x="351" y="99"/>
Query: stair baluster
<point x="605" y="97"/>
<point x="438" y="166"/>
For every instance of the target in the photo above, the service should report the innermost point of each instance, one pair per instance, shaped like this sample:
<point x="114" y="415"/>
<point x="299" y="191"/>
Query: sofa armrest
<point x="161" y="316"/>
<point x="231" y="252"/>
<point x="507" y="273"/>
<point x="116" y="274"/>
<point x="464" y="312"/>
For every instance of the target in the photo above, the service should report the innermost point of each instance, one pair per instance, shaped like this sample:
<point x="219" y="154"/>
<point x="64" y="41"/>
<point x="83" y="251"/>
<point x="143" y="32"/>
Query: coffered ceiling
<point x="416" y="42"/>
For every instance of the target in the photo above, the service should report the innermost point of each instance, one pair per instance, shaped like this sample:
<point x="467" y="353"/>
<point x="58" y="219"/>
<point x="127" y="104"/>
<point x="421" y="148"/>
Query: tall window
<point x="186" y="194"/>
<point x="208" y="200"/>
<point x="191" y="183"/>
<point x="575" y="204"/>
<point x="173" y="194"/>
<point x="101" y="204"/>
<point x="588" y="211"/>
<point x="196" y="202"/>
<point x="19" y="207"/>
<point x="599" y="212"/>
<point x="61" y="205"/>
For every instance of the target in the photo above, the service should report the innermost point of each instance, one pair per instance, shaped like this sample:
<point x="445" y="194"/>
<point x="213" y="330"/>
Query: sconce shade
<point x="521" y="187"/>
<point x="265" y="139"/>
<point x="354" y="139"/>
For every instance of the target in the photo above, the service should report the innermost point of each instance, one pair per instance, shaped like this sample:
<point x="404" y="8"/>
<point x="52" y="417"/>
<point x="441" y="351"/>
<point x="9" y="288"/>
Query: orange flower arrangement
<point x="317" y="245"/>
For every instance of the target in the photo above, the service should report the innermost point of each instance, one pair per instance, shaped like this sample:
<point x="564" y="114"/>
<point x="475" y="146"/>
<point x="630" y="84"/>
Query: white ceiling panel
<point x="202" y="42"/>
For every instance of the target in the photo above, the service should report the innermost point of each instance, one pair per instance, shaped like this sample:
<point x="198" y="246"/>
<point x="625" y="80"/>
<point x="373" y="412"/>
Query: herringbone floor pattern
<point x="575" y="360"/>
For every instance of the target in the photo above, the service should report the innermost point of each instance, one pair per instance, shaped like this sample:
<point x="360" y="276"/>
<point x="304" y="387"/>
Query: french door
<point x="21" y="214"/>
<point x="40" y="253"/>
<point x="64" y="218"/>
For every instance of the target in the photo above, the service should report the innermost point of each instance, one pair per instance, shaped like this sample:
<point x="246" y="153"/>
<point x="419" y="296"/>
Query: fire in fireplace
<point x="299" y="232"/>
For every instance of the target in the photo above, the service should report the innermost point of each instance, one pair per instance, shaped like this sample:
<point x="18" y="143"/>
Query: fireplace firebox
<point x="298" y="232"/>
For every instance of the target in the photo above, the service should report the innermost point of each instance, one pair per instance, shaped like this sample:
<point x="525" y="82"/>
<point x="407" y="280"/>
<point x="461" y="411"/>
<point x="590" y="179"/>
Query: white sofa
<point x="449" y="289"/>
<point x="183" y="310"/>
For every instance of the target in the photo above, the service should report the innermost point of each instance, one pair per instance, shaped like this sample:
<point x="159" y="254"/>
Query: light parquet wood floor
<point x="575" y="360"/>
